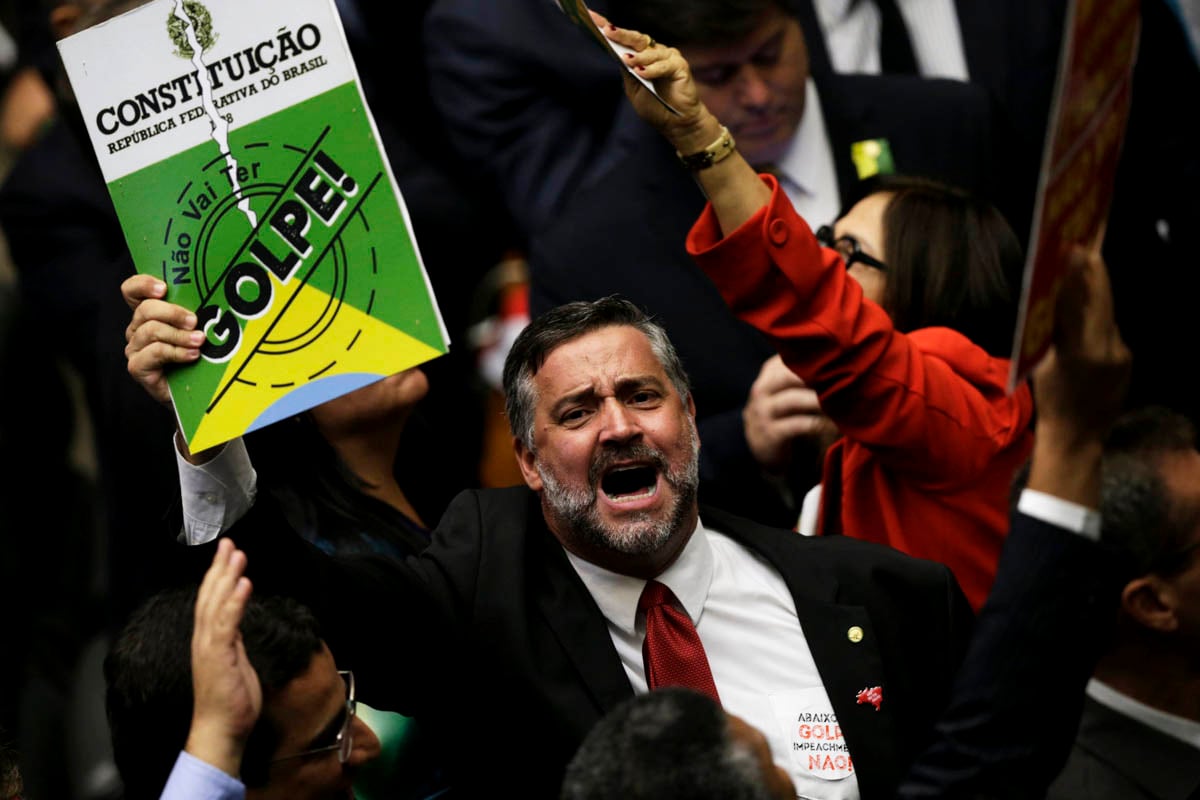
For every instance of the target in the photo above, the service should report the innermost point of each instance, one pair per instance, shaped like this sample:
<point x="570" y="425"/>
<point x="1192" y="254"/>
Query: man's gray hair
<point x="563" y="324"/>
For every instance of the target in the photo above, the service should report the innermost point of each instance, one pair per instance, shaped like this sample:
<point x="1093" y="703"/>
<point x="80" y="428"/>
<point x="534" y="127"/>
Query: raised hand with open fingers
<point x="1083" y="379"/>
<point x="226" y="690"/>
<point x="1079" y="387"/>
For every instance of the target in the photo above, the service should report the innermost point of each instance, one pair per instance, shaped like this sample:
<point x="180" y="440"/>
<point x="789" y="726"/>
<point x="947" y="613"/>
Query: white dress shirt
<point x="852" y="36"/>
<point x="216" y="494"/>
<point x="760" y="660"/>
<point x="1039" y="505"/>
<point x="193" y="779"/>
<point x="1185" y="730"/>
<point x="806" y="169"/>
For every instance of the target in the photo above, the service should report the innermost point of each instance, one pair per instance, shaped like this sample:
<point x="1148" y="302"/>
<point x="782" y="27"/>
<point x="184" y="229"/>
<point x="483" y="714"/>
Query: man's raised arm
<point x="217" y="486"/>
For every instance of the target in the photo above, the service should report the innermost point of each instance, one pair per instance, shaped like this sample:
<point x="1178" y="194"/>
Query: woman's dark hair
<point x="949" y="255"/>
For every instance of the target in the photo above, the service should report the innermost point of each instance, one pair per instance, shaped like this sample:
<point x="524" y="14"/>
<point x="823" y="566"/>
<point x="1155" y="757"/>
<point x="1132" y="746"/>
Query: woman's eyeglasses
<point x="848" y="248"/>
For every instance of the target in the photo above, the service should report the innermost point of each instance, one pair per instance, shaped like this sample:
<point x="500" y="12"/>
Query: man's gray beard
<point x="641" y="534"/>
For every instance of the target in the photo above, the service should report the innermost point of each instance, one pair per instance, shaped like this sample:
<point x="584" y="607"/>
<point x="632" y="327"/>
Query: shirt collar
<point x="831" y="12"/>
<point x="1181" y="728"/>
<point x="807" y="165"/>
<point x="689" y="578"/>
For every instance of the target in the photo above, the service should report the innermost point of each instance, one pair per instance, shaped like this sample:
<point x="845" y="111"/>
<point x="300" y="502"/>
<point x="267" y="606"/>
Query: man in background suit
<point x="528" y="104"/>
<point x="625" y="233"/>
<point x="1140" y="733"/>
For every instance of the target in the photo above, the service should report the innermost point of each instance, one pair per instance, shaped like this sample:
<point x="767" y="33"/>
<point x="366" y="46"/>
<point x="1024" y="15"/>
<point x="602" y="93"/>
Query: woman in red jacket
<point x="880" y="324"/>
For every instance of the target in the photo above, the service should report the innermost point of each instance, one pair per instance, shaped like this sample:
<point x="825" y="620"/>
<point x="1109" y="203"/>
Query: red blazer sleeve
<point x="883" y="389"/>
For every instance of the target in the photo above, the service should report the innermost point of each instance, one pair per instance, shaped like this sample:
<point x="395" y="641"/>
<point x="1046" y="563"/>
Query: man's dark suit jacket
<point x="1118" y="758"/>
<point x="492" y="640"/>
<point x="527" y="100"/>
<point x="625" y="235"/>
<point x="1017" y="698"/>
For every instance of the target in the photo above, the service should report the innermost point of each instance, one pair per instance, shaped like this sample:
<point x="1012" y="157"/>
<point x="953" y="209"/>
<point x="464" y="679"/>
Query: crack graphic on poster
<point x="220" y="126"/>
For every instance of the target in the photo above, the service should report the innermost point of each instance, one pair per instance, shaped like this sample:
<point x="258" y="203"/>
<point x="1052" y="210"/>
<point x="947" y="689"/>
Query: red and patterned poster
<point x="1083" y="145"/>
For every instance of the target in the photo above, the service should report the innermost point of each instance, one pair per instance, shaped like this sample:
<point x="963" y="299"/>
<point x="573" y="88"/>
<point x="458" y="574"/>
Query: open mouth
<point x="633" y="482"/>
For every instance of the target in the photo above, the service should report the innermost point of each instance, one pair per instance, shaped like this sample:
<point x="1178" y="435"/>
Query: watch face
<point x="712" y="154"/>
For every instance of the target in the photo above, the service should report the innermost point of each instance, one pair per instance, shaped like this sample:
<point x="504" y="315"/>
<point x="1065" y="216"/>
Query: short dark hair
<point x="148" y="672"/>
<point x="671" y="742"/>
<point x="695" y="23"/>
<point x="566" y="323"/>
<point x="1140" y="518"/>
<point x="949" y="255"/>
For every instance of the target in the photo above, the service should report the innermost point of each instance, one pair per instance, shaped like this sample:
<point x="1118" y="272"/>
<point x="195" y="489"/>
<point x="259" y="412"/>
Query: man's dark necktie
<point x="895" y="45"/>
<point x="672" y="652"/>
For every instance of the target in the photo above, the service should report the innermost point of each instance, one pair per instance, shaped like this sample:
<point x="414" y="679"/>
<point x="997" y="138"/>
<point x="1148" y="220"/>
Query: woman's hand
<point x="731" y="186"/>
<point x="694" y="127"/>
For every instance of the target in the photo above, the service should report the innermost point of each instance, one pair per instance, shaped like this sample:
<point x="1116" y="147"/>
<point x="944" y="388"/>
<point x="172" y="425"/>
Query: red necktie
<point x="672" y="651"/>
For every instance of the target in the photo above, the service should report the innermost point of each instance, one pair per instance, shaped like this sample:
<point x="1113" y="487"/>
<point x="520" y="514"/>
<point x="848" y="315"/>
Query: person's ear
<point x="527" y="461"/>
<point x="1150" y="601"/>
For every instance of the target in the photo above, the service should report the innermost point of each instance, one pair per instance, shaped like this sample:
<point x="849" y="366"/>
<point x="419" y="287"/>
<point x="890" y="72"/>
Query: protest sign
<point x="1079" y="163"/>
<point x="247" y="173"/>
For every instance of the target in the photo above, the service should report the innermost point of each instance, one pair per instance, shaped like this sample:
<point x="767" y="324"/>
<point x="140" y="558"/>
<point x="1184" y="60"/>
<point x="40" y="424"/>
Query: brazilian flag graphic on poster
<point x="246" y="171"/>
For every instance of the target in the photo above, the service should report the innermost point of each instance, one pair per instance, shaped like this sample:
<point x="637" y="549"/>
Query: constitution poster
<point x="247" y="173"/>
<point x="1079" y="162"/>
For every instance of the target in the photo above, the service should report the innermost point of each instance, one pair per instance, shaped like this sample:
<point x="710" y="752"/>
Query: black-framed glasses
<point x="344" y="743"/>
<point x="848" y="248"/>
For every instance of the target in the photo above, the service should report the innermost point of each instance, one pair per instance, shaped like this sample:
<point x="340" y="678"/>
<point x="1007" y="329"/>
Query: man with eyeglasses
<point x="265" y="714"/>
<point x="1140" y="732"/>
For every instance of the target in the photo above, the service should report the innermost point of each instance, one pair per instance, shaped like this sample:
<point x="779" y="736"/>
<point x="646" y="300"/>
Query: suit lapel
<point x="814" y="38"/>
<point x="580" y="627"/>
<point x="844" y="646"/>
<point x="847" y="668"/>
<point x="844" y="121"/>
<point x="984" y="28"/>
<point x="1163" y="766"/>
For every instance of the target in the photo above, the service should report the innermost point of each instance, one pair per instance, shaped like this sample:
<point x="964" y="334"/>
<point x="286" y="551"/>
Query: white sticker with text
<point x="818" y="748"/>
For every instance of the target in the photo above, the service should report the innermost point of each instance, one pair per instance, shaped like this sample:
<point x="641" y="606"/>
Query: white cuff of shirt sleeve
<point x="215" y="494"/>
<point x="193" y="779"/>
<point x="1062" y="513"/>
